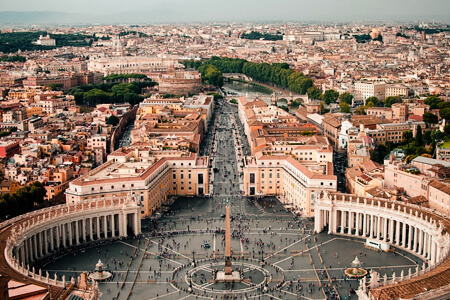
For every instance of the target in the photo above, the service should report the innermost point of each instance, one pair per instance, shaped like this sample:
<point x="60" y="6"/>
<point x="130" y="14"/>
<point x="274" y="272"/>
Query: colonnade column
<point x="351" y="220"/>
<point x="433" y="252"/>
<point x="58" y="236"/>
<point x="397" y="232"/>
<point x="404" y="235"/>
<point x="430" y="247"/>
<point x="342" y="221"/>
<point x="113" y="225"/>
<point x="416" y="237"/>
<point x="378" y="236"/>
<point x="45" y="242"/>
<point x="84" y="229"/>
<point x="105" y="226"/>
<point x="137" y="221"/>
<point x="410" y="237"/>
<point x="391" y="231"/>
<point x="77" y="233"/>
<point x="372" y="227"/>
<point x="30" y="250"/>
<point x="70" y="233"/>
<point x="22" y="253"/>
<point x="90" y="229"/>
<point x="357" y="224"/>
<point x="98" y="228"/>
<point x="420" y="242"/>
<point x="40" y="244"/>
<point x="52" y="236"/>
<point x="34" y="242"/>
<point x="64" y="235"/>
<point x="364" y="231"/>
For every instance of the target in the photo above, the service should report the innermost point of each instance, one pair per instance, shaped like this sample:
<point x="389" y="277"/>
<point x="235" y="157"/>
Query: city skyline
<point x="137" y="11"/>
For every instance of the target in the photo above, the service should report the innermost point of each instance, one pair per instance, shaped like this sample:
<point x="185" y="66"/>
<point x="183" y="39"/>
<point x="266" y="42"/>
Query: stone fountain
<point x="356" y="271"/>
<point x="100" y="274"/>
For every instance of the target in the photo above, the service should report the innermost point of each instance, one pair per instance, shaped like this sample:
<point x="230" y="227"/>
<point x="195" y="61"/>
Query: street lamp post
<point x="193" y="258"/>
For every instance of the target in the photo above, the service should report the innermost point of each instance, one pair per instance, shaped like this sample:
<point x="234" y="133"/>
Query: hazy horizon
<point x="233" y="10"/>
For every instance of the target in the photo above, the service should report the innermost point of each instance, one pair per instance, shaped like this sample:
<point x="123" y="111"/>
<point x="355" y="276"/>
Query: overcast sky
<point x="248" y="10"/>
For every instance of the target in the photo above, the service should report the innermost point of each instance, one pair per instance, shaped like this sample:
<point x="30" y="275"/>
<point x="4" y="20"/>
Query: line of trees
<point x="277" y="73"/>
<point x="13" y="58"/>
<point x="256" y="35"/>
<point x="11" y="42"/>
<point x="93" y="94"/>
<point x="22" y="201"/>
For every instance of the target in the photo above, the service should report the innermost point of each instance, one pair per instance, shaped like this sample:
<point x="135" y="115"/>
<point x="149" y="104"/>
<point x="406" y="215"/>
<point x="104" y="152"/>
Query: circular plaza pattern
<point x="158" y="265"/>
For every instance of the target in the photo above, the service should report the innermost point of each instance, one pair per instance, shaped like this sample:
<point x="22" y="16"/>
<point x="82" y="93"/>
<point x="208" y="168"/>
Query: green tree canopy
<point x="211" y="74"/>
<point x="345" y="107"/>
<point x="346" y="97"/>
<point x="430" y="118"/>
<point x="433" y="101"/>
<point x="314" y="93"/>
<point x="419" y="139"/>
<point x="113" y="120"/>
<point x="407" y="135"/>
<point x="330" y="96"/>
<point x="391" y="100"/>
<point x="445" y="113"/>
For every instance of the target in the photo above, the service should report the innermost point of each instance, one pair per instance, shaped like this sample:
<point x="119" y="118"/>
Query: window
<point x="174" y="176"/>
<point x="262" y="175"/>
<point x="189" y="176"/>
<point x="252" y="177"/>
<point x="181" y="176"/>
<point x="199" y="178"/>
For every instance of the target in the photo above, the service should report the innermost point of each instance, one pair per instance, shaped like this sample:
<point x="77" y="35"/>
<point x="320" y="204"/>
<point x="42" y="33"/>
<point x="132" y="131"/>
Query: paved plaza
<point x="176" y="256"/>
<point x="291" y="252"/>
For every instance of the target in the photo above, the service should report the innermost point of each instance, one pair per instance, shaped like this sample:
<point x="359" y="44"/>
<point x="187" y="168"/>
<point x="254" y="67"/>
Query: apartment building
<point x="439" y="197"/>
<point x="397" y="90"/>
<point x="364" y="90"/>
<point x="134" y="172"/>
<point x="297" y="186"/>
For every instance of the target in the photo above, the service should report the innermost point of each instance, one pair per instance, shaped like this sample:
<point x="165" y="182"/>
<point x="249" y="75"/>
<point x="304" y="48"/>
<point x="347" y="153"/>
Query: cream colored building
<point x="296" y="185"/>
<point x="370" y="89"/>
<point x="396" y="90"/>
<point x="131" y="64"/>
<point x="439" y="197"/>
<point x="134" y="171"/>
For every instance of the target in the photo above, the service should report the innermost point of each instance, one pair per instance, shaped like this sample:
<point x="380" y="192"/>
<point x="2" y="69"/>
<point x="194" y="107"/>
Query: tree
<point x="345" y="107"/>
<point x="346" y="97"/>
<point x="445" y="113"/>
<point x="433" y="101"/>
<point x="447" y="130"/>
<point x="361" y="110"/>
<point x="375" y="102"/>
<point x="407" y="135"/>
<point x="330" y="96"/>
<point x="437" y="135"/>
<point x="391" y="100"/>
<point x="427" y="137"/>
<point x="419" y="140"/>
<point x="113" y="120"/>
<point x="430" y="118"/>
<point x="314" y="93"/>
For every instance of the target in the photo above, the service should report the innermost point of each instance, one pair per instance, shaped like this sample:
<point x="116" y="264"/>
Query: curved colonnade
<point x="41" y="233"/>
<point x="417" y="230"/>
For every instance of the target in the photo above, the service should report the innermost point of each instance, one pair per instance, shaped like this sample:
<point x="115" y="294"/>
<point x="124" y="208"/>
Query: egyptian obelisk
<point x="228" y="270"/>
